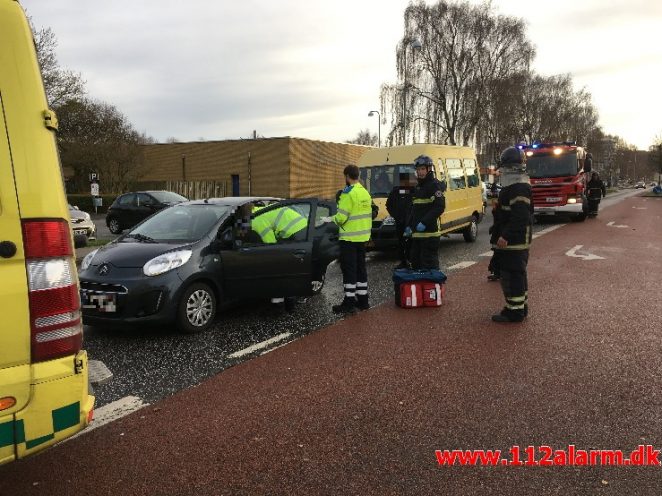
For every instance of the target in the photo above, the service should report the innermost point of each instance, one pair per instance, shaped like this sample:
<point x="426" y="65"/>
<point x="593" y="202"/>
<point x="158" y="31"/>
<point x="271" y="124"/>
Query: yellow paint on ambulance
<point x="52" y="397"/>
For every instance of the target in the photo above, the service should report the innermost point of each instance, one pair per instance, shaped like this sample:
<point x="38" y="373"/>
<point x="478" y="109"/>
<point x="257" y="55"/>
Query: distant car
<point x="130" y="209"/>
<point x="640" y="184"/>
<point x="82" y="226"/>
<point x="182" y="264"/>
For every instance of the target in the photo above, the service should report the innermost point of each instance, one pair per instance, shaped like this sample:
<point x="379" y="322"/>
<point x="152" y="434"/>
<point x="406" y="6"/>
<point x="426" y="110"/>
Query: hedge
<point x="84" y="202"/>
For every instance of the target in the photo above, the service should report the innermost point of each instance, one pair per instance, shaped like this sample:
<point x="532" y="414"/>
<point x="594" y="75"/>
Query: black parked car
<point x="131" y="208"/>
<point x="179" y="265"/>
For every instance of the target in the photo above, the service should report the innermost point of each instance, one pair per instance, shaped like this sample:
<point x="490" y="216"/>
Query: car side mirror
<point x="225" y="239"/>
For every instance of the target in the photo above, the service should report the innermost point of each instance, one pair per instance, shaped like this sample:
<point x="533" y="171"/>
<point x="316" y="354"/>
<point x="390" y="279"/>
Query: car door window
<point x="127" y="201"/>
<point x="144" y="200"/>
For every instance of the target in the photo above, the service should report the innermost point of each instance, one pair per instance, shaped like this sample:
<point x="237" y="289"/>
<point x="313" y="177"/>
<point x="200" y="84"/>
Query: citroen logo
<point x="103" y="269"/>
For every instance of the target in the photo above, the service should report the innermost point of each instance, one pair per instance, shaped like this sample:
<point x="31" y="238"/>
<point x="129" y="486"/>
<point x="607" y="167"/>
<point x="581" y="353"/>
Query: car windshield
<point x="167" y="196"/>
<point x="380" y="179"/>
<point x="551" y="165"/>
<point x="181" y="223"/>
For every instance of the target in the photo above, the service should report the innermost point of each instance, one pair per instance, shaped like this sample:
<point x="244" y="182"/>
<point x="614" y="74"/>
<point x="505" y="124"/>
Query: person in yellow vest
<point x="354" y="220"/>
<point x="278" y="224"/>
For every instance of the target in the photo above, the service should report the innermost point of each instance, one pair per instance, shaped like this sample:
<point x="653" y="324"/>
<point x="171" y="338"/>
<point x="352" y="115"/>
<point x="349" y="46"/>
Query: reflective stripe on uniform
<point x="420" y="201"/>
<point x="344" y="212"/>
<point x="356" y="233"/>
<point x="425" y="234"/>
<point x="522" y="199"/>
<point x="359" y="217"/>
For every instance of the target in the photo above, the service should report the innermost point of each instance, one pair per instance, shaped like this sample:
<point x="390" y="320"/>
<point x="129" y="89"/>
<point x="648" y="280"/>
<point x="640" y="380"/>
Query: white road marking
<point x="640" y="208"/>
<point x="111" y="412"/>
<point x="259" y="346"/>
<point x="486" y="254"/>
<point x="461" y="265"/>
<point x="547" y="230"/>
<point x="611" y="224"/>
<point x="587" y="256"/>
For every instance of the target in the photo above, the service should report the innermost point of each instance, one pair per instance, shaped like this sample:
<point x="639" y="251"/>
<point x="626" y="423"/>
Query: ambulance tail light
<point x="55" y="319"/>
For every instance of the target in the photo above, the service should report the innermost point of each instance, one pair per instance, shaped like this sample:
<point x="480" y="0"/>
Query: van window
<point x="455" y="174"/>
<point x="380" y="180"/>
<point x="473" y="179"/>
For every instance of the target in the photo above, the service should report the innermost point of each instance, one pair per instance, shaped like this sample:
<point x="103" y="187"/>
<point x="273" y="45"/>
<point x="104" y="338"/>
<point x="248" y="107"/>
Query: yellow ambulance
<point x="44" y="390"/>
<point x="382" y="169"/>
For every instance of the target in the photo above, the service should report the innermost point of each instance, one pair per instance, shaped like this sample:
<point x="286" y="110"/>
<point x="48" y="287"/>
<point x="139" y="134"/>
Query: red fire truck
<point x="557" y="179"/>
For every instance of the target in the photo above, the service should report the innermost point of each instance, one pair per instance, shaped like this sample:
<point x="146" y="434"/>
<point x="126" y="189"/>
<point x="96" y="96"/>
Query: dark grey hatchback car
<point x="131" y="208"/>
<point x="180" y="265"/>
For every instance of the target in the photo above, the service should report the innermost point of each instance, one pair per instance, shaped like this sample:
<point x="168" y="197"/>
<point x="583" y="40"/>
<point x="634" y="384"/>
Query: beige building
<point x="282" y="167"/>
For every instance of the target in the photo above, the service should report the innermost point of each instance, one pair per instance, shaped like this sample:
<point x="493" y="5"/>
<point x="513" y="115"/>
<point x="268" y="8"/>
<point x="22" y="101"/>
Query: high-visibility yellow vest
<point x="281" y="223"/>
<point x="354" y="217"/>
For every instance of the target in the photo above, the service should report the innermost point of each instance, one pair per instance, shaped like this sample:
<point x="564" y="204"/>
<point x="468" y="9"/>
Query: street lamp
<point x="370" y="114"/>
<point x="415" y="44"/>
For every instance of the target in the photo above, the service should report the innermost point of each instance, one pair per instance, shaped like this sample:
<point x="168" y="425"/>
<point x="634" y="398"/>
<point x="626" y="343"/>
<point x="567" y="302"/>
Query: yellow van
<point x="44" y="390"/>
<point x="456" y="166"/>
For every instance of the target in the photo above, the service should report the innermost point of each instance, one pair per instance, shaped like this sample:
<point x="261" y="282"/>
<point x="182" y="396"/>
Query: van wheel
<point x="470" y="233"/>
<point x="114" y="226"/>
<point x="197" y="309"/>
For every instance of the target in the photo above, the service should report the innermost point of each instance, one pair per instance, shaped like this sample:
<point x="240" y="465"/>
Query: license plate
<point x="103" y="302"/>
<point x="80" y="231"/>
<point x="553" y="199"/>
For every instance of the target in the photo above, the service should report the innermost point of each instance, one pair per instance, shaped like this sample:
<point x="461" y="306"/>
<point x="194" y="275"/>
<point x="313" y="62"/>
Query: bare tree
<point x="365" y="138"/>
<point x="61" y="84"/>
<point x="464" y="48"/>
<point x="95" y="136"/>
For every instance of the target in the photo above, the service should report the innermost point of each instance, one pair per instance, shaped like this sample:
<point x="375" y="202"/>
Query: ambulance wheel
<point x="197" y="308"/>
<point x="470" y="233"/>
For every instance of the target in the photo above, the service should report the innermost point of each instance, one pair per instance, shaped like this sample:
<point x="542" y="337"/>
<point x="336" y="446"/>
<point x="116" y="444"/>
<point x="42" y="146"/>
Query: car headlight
<point x="167" y="261"/>
<point x="388" y="221"/>
<point x="88" y="259"/>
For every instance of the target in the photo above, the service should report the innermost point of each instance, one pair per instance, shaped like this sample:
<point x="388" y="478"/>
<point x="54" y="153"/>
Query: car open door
<point x="272" y="253"/>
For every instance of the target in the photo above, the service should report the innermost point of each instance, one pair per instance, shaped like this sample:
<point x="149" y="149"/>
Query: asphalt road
<point x="360" y="406"/>
<point x="151" y="364"/>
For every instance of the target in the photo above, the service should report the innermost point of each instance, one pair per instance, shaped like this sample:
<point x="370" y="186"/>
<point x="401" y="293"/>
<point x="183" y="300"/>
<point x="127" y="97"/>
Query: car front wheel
<point x="114" y="226"/>
<point x="197" y="308"/>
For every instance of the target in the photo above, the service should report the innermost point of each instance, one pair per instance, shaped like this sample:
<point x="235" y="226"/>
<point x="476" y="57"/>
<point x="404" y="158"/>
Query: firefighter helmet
<point x="512" y="156"/>
<point x="423" y="161"/>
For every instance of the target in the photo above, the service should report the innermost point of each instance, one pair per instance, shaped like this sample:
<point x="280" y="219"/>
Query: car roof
<point x="232" y="201"/>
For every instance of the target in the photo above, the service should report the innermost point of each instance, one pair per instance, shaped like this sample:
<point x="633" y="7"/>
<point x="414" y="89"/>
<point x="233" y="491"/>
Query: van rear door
<point x="14" y="307"/>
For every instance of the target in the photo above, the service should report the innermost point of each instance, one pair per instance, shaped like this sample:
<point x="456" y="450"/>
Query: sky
<point x="215" y="69"/>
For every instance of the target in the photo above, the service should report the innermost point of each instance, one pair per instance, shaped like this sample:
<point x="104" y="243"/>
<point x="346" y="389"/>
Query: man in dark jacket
<point x="398" y="206"/>
<point x="428" y="203"/>
<point x="512" y="234"/>
<point x="596" y="191"/>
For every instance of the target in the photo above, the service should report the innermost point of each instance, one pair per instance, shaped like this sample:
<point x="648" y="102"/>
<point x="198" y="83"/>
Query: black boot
<point x="362" y="302"/>
<point x="493" y="276"/>
<point x="347" y="306"/>
<point x="508" y="315"/>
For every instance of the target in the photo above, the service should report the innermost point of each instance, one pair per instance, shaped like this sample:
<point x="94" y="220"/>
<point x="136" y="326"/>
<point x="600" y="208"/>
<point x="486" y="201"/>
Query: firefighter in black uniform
<point x="596" y="191"/>
<point x="398" y="206"/>
<point x="428" y="203"/>
<point x="511" y="234"/>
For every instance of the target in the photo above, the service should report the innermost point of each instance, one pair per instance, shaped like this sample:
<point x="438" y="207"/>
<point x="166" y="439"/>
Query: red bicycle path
<point x="359" y="407"/>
